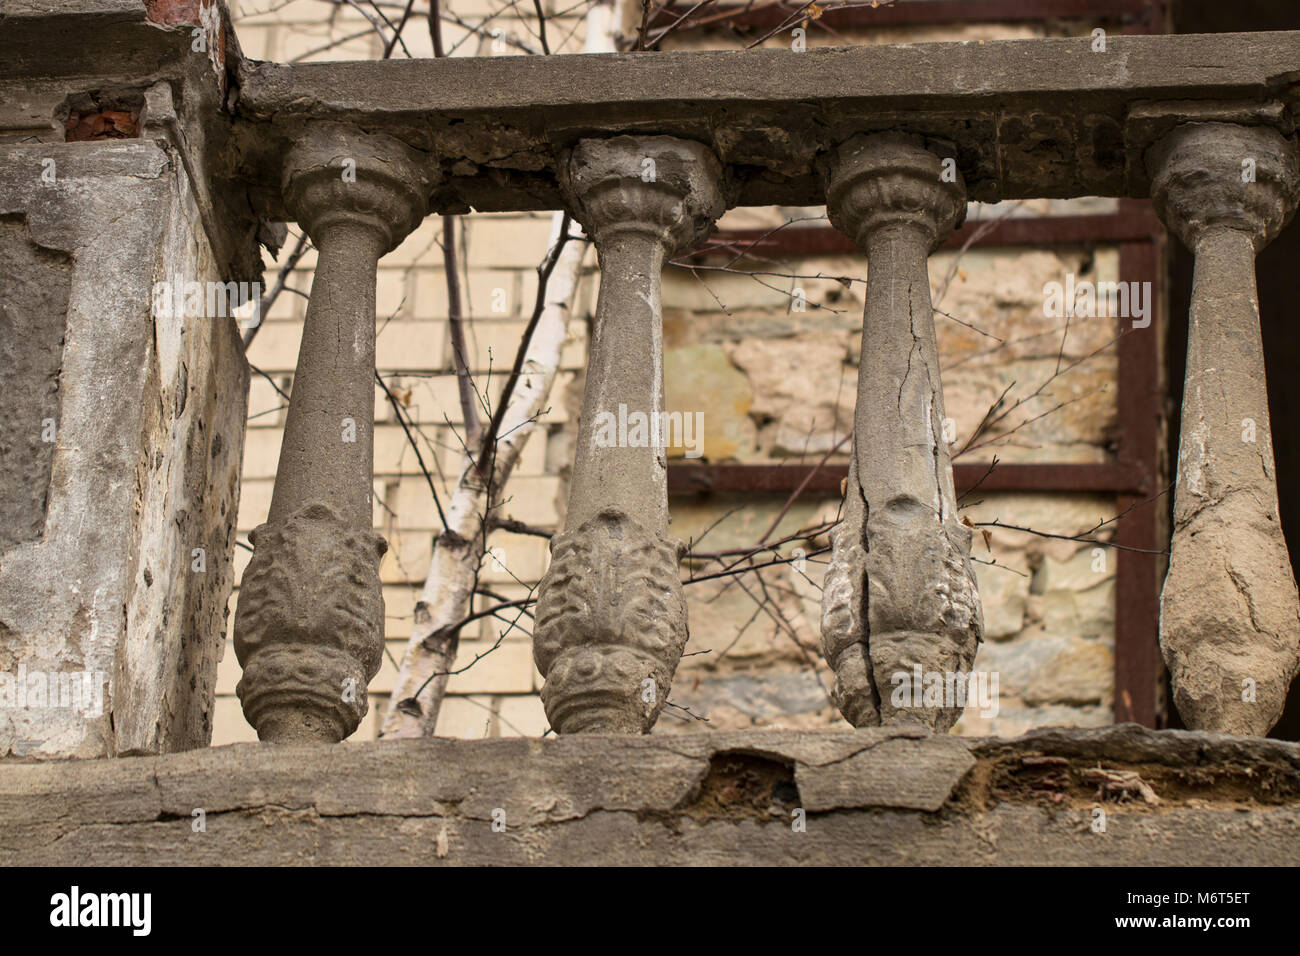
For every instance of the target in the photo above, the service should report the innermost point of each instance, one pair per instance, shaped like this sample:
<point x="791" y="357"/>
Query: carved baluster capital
<point x="658" y="187"/>
<point x="889" y="180"/>
<point x="1223" y="175"/>
<point x="337" y="175"/>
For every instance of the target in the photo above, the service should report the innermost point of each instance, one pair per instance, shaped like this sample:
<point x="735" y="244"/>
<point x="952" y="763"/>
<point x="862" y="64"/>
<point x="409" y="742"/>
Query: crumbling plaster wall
<point x="123" y="427"/>
<point x="145" y="444"/>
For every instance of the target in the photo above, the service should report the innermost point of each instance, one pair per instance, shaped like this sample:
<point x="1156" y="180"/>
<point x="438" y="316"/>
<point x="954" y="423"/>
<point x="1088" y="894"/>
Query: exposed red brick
<point x="106" y="124"/>
<point x="221" y="49"/>
<point x="186" y="13"/>
<point x="174" y="12"/>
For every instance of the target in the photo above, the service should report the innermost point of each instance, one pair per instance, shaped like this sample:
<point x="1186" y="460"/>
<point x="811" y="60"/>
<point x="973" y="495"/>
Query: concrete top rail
<point x="1024" y="118"/>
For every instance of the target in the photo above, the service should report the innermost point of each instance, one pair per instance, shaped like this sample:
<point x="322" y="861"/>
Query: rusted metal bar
<point x="687" y="479"/>
<point x="1139" y="396"/>
<point x="1136" y="223"/>
<point x="910" y="12"/>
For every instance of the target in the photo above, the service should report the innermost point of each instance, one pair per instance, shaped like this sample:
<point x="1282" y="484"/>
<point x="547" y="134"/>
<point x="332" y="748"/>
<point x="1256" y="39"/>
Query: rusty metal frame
<point x="1133" y="475"/>
<point x="1140" y="15"/>
<point x="1140" y="406"/>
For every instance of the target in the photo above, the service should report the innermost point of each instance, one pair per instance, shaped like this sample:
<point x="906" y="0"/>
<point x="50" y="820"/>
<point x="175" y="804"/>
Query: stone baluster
<point x="611" y="615"/>
<point x="310" y="623"/>
<point x="1229" y="615"/>
<point x="900" y="592"/>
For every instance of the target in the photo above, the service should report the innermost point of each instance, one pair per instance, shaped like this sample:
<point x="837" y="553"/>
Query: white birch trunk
<point x="458" y="553"/>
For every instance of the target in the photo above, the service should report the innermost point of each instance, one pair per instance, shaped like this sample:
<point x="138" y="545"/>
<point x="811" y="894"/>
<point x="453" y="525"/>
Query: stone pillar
<point x="611" y="616"/>
<point x="1229" y="615"/>
<point x="310" y="625"/>
<point x="900" y="592"/>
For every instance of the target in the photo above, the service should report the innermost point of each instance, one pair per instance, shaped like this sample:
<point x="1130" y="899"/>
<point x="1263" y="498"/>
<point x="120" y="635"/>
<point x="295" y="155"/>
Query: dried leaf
<point x="1121" y="784"/>
<point x="984" y="533"/>
<point x="814" y="11"/>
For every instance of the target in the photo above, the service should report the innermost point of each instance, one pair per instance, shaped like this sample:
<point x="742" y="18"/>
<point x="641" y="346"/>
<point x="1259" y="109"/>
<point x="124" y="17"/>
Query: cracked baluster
<point x="1229" y="616"/>
<point x="611" y="615"/>
<point x="310" y="623"/>
<point x="900" y="591"/>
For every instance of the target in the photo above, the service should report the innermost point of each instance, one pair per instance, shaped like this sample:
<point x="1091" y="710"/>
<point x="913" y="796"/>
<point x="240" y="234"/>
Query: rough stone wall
<point x="774" y="385"/>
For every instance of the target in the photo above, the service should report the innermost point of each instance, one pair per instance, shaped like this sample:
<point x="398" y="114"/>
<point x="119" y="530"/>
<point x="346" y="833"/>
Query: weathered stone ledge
<point x="1024" y="119"/>
<point x="870" y="796"/>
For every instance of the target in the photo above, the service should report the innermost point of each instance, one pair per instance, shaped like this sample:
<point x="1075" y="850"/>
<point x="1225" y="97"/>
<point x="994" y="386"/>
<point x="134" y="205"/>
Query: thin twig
<point x="264" y="304"/>
<point x="397" y="32"/>
<point x="673" y="26"/>
<point x="435" y="29"/>
<point x="645" y="24"/>
<point x="539" y="306"/>
<point x="397" y="411"/>
<point x="541" y="27"/>
<point x="794" y="495"/>
<point x="997" y="523"/>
